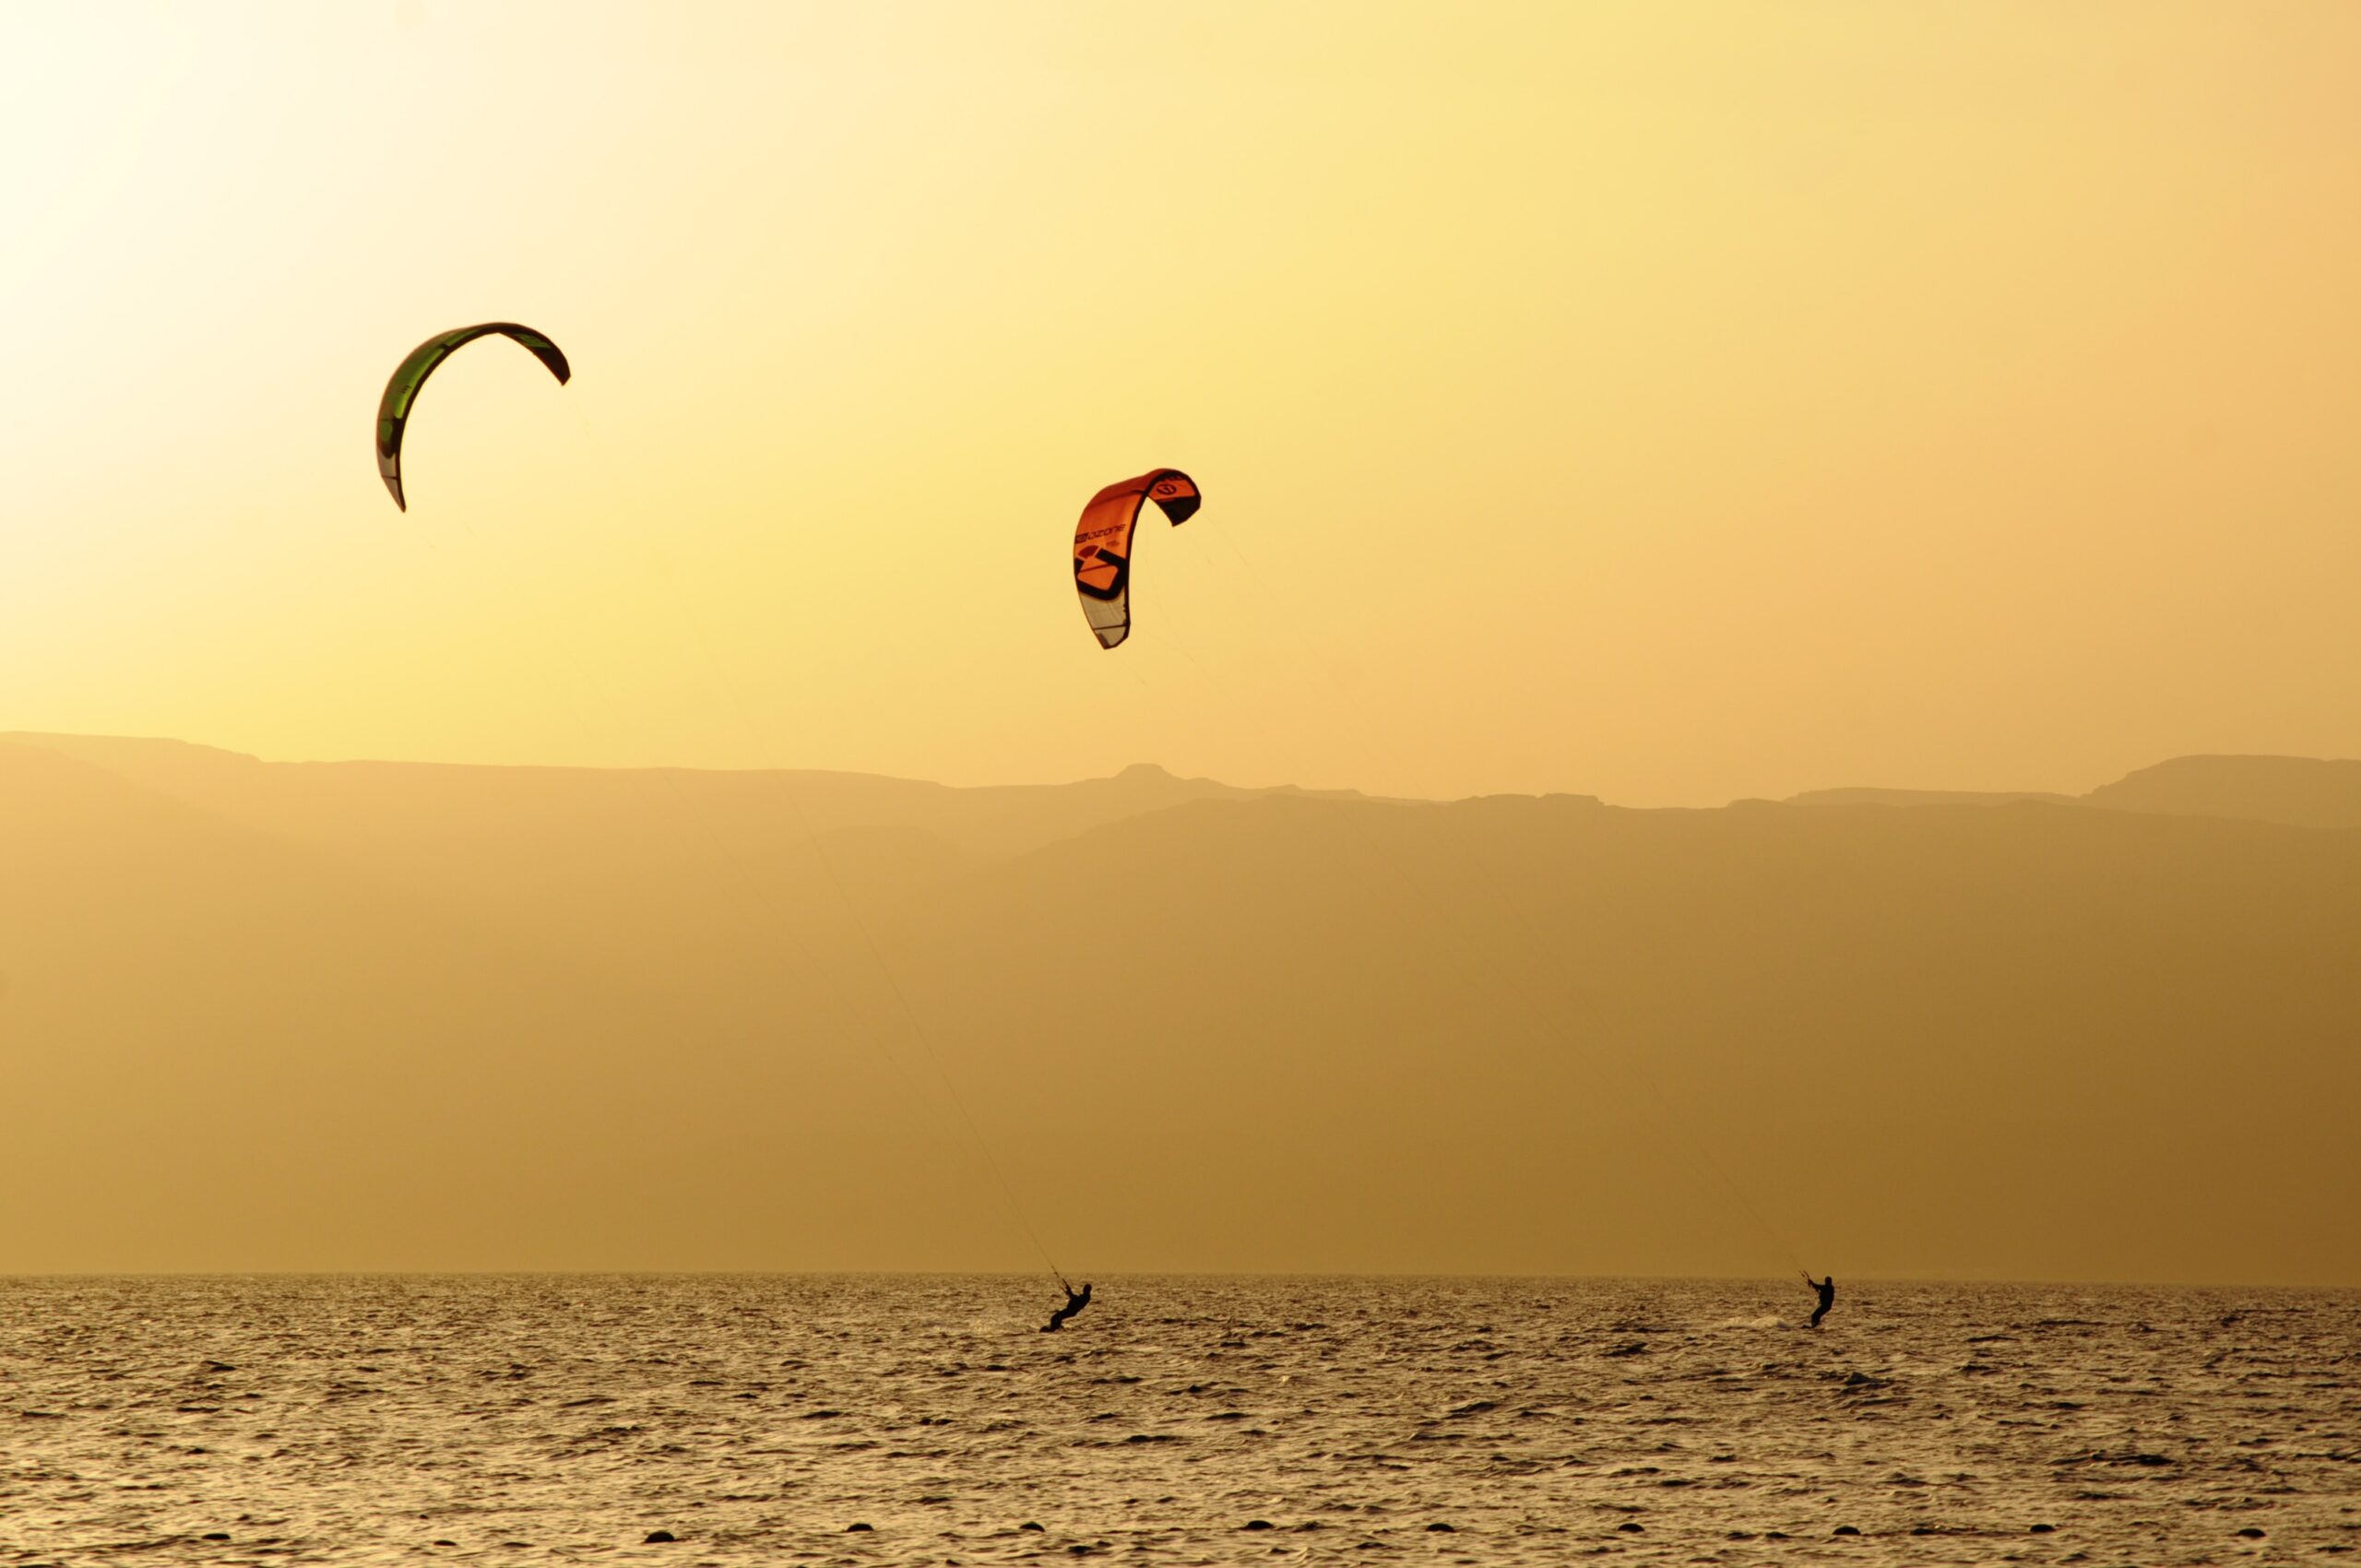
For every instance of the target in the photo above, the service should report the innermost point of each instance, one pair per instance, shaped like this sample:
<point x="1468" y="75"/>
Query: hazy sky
<point x="1665" y="402"/>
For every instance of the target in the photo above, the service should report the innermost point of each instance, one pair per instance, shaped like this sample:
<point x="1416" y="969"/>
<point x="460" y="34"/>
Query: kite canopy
<point x="1102" y="545"/>
<point x="393" y="409"/>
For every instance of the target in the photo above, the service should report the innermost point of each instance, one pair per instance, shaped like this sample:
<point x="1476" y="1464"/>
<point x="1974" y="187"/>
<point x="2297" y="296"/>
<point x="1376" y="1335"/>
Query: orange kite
<point x="1102" y="544"/>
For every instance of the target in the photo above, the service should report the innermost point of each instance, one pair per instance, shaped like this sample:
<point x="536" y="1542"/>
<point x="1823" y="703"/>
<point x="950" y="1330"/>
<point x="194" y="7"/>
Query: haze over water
<point x="759" y="1418"/>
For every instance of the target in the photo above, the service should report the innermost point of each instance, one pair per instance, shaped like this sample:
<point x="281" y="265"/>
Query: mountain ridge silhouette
<point x="360" y="1017"/>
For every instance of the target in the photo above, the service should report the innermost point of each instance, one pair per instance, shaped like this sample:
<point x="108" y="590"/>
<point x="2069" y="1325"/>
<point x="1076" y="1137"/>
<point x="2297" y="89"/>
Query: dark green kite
<point x="393" y="409"/>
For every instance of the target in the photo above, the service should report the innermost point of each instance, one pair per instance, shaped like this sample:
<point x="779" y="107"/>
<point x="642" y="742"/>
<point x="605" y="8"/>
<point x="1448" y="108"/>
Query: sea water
<point x="349" y="1420"/>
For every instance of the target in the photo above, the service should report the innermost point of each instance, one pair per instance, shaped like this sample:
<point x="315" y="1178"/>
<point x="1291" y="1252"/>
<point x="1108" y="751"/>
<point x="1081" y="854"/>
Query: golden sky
<point x="1662" y="401"/>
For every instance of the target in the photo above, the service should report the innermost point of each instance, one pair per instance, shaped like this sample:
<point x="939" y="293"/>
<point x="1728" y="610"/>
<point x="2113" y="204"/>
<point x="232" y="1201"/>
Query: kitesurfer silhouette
<point x="1075" y="1302"/>
<point x="1826" y="1291"/>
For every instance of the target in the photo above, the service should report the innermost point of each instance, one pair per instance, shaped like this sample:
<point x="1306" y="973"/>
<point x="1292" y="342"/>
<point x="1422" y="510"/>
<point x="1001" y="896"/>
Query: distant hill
<point x="2297" y="791"/>
<point x="504" y="828"/>
<point x="362" y="1016"/>
<point x="1925" y="797"/>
